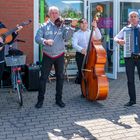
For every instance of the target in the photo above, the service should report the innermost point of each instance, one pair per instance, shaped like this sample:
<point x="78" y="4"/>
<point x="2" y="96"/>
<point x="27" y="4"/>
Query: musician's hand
<point x="1" y="40"/>
<point x="74" y="22"/>
<point x="19" y="28"/>
<point x="1" y="48"/>
<point x="121" y="42"/>
<point x="83" y="51"/>
<point x="49" y="42"/>
<point x="94" y="24"/>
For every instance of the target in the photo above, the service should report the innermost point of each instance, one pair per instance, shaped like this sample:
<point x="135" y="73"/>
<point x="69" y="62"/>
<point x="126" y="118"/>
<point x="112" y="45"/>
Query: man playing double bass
<point x="80" y="41"/>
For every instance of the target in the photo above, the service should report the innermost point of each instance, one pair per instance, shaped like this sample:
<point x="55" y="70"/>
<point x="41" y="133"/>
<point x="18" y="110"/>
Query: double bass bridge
<point x="86" y="70"/>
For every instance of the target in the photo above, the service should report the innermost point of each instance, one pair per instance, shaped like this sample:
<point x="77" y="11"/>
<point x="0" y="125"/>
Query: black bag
<point x="31" y="77"/>
<point x="15" y="52"/>
<point x="6" y="77"/>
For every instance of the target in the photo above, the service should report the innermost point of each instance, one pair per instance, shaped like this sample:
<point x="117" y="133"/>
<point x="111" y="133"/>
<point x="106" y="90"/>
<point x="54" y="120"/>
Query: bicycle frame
<point x="15" y="61"/>
<point x="17" y="82"/>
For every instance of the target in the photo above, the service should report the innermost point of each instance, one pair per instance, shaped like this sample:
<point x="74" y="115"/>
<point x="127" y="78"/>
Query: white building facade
<point x="113" y="15"/>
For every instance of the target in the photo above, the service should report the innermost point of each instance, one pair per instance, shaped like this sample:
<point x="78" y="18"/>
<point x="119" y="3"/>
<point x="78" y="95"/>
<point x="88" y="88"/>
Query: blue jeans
<point x="47" y="63"/>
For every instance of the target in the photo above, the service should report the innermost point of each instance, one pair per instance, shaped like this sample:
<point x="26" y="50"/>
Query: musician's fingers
<point x="94" y="23"/>
<point x="49" y="42"/>
<point x="19" y="28"/>
<point x="1" y="40"/>
<point x="83" y="51"/>
<point x="121" y="42"/>
<point x="1" y="48"/>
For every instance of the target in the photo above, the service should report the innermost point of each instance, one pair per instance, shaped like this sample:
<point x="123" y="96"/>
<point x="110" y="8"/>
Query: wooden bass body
<point x="95" y="85"/>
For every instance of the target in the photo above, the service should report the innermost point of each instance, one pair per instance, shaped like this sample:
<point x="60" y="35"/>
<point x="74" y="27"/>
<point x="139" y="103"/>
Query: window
<point x="125" y="9"/>
<point x="68" y="8"/>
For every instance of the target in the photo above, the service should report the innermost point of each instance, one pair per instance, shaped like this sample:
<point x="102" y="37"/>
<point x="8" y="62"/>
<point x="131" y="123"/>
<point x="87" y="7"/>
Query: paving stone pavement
<point x="79" y="120"/>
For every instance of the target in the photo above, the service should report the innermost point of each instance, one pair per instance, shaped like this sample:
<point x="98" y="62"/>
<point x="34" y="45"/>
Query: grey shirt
<point x="50" y="31"/>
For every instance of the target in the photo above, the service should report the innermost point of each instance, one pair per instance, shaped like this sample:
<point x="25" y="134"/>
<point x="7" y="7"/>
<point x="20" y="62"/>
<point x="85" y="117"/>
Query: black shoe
<point x="60" y="103"/>
<point x="130" y="103"/>
<point x="39" y="104"/>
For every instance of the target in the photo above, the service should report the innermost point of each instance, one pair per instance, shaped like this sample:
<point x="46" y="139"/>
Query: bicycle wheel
<point x="19" y="93"/>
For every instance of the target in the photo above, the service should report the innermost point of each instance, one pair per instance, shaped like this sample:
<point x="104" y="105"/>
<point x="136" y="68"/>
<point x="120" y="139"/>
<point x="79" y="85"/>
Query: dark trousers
<point x="1" y="71"/>
<point x="47" y="63"/>
<point x="79" y="61"/>
<point x="130" y="64"/>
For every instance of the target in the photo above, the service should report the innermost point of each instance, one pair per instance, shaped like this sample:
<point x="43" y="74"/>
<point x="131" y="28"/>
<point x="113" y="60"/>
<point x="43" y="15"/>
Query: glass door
<point x="103" y="9"/>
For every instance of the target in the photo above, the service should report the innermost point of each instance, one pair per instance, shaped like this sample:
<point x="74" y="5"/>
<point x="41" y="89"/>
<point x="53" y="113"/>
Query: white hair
<point x="133" y="12"/>
<point x="52" y="8"/>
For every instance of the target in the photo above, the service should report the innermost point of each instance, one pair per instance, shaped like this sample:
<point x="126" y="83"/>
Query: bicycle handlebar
<point x="19" y="40"/>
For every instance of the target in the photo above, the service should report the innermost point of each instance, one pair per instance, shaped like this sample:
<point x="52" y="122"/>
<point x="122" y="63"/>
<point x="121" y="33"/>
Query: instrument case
<point x="31" y="78"/>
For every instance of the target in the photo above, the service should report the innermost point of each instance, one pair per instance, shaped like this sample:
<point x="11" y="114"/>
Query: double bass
<point x="94" y="85"/>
